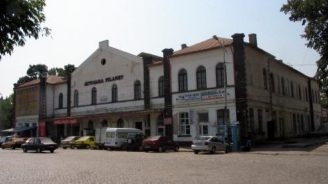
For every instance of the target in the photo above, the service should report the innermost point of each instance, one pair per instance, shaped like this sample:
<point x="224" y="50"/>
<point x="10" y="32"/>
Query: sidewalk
<point x="293" y="144"/>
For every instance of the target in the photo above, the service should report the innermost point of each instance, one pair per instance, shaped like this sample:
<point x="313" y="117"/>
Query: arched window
<point x="220" y="77"/>
<point x="120" y="123"/>
<point x="94" y="96"/>
<point x="183" y="80"/>
<point x="76" y="98"/>
<point x="114" y="93"/>
<point x="60" y="100"/>
<point x="160" y="125"/>
<point x="161" y="86"/>
<point x="137" y="90"/>
<point x="201" y="77"/>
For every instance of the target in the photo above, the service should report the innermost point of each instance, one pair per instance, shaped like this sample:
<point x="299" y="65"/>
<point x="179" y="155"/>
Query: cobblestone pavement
<point x="100" y="166"/>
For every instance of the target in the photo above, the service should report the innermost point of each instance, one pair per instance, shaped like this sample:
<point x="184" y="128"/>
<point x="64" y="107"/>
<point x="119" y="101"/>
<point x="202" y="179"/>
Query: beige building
<point x="186" y="93"/>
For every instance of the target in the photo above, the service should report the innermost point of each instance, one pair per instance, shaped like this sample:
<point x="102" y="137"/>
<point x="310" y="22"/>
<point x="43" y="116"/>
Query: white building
<point x="184" y="94"/>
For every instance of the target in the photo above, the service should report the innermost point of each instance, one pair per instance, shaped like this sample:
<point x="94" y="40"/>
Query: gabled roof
<point x="212" y="43"/>
<point x="51" y="79"/>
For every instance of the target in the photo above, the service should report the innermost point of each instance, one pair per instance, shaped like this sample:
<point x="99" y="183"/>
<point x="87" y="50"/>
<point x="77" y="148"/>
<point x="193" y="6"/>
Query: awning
<point x="17" y="129"/>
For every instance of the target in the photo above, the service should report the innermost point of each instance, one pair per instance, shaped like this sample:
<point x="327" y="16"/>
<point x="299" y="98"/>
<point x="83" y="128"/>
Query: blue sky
<point x="150" y="26"/>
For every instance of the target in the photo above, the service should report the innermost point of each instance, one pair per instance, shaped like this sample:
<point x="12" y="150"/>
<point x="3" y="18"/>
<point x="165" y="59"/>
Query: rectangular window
<point x="184" y="123"/>
<point x="260" y="120"/>
<point x="294" y="124"/>
<point x="251" y="120"/>
<point x="283" y="86"/>
<point x="306" y="95"/>
<point x="265" y="83"/>
<point x="299" y="92"/>
<point x="272" y="86"/>
<point x="292" y="88"/>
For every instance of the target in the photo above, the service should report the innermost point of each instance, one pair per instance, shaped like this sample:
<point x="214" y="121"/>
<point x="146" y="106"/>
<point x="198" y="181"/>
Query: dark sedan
<point x="159" y="143"/>
<point x="39" y="144"/>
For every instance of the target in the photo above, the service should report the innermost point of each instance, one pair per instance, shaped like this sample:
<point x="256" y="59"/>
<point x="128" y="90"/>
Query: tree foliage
<point x="20" y="19"/>
<point x="6" y="112"/>
<point x="314" y="16"/>
<point x="33" y="72"/>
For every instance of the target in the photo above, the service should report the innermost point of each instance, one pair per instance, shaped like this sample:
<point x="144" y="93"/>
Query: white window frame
<point x="184" y="123"/>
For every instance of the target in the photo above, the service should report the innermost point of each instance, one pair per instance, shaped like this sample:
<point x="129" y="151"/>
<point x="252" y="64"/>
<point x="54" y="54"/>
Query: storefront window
<point x="160" y="125"/>
<point x="184" y="123"/>
<point x="203" y="123"/>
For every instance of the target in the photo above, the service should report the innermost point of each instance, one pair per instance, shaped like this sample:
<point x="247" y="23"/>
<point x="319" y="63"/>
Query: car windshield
<point x="69" y="138"/>
<point x="46" y="140"/>
<point x="83" y="138"/>
<point x="153" y="138"/>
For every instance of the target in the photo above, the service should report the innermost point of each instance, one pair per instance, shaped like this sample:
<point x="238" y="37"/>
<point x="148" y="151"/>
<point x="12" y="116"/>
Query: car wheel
<point x="176" y="149"/>
<point x="146" y="150"/>
<point x="13" y="147"/>
<point x="87" y="147"/>
<point x="24" y="150"/>
<point x="51" y="151"/>
<point x="38" y="150"/>
<point x="196" y="152"/>
<point x="64" y="147"/>
<point x="160" y="149"/>
<point x="213" y="150"/>
<point x="226" y="149"/>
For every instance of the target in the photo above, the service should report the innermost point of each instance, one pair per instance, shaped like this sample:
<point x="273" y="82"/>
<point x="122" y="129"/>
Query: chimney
<point x="252" y="39"/>
<point x="183" y="46"/>
<point x="104" y="44"/>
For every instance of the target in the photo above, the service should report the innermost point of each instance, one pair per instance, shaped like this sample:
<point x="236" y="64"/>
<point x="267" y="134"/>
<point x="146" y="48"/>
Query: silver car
<point x="208" y="143"/>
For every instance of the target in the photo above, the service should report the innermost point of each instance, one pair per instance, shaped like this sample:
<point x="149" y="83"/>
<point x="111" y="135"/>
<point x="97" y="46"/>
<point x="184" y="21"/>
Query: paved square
<point x="101" y="166"/>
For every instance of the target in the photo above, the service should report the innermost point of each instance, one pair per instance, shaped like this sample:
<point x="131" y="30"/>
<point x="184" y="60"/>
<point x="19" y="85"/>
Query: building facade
<point x="186" y="93"/>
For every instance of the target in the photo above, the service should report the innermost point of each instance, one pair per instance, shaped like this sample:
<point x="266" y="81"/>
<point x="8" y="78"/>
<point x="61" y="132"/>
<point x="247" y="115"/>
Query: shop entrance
<point x="138" y="125"/>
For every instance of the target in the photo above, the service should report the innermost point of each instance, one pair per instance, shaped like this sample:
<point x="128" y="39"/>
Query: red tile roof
<point x="52" y="79"/>
<point x="209" y="44"/>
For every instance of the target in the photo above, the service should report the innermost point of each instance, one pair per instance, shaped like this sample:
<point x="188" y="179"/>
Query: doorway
<point x="138" y="125"/>
<point x="271" y="128"/>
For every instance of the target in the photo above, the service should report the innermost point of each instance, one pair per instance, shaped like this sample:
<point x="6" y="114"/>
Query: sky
<point x="150" y="26"/>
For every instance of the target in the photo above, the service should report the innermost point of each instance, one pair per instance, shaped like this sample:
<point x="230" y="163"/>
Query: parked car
<point x="159" y="143"/>
<point x="4" y="139"/>
<point x="68" y="142"/>
<point x="208" y="143"/>
<point x="39" y="144"/>
<point x="133" y="142"/>
<point x="87" y="142"/>
<point x="13" y="142"/>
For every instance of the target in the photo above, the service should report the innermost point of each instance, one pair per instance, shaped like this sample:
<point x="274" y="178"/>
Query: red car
<point x="159" y="143"/>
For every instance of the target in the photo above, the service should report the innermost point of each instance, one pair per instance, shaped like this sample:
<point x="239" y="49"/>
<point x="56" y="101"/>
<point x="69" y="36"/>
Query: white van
<point x="115" y="137"/>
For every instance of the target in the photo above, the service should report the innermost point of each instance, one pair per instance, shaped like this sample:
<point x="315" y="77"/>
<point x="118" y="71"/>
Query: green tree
<point x="20" y="19"/>
<point x="6" y="112"/>
<point x="33" y="72"/>
<point x="63" y="72"/>
<point x="56" y="71"/>
<point x="314" y="16"/>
